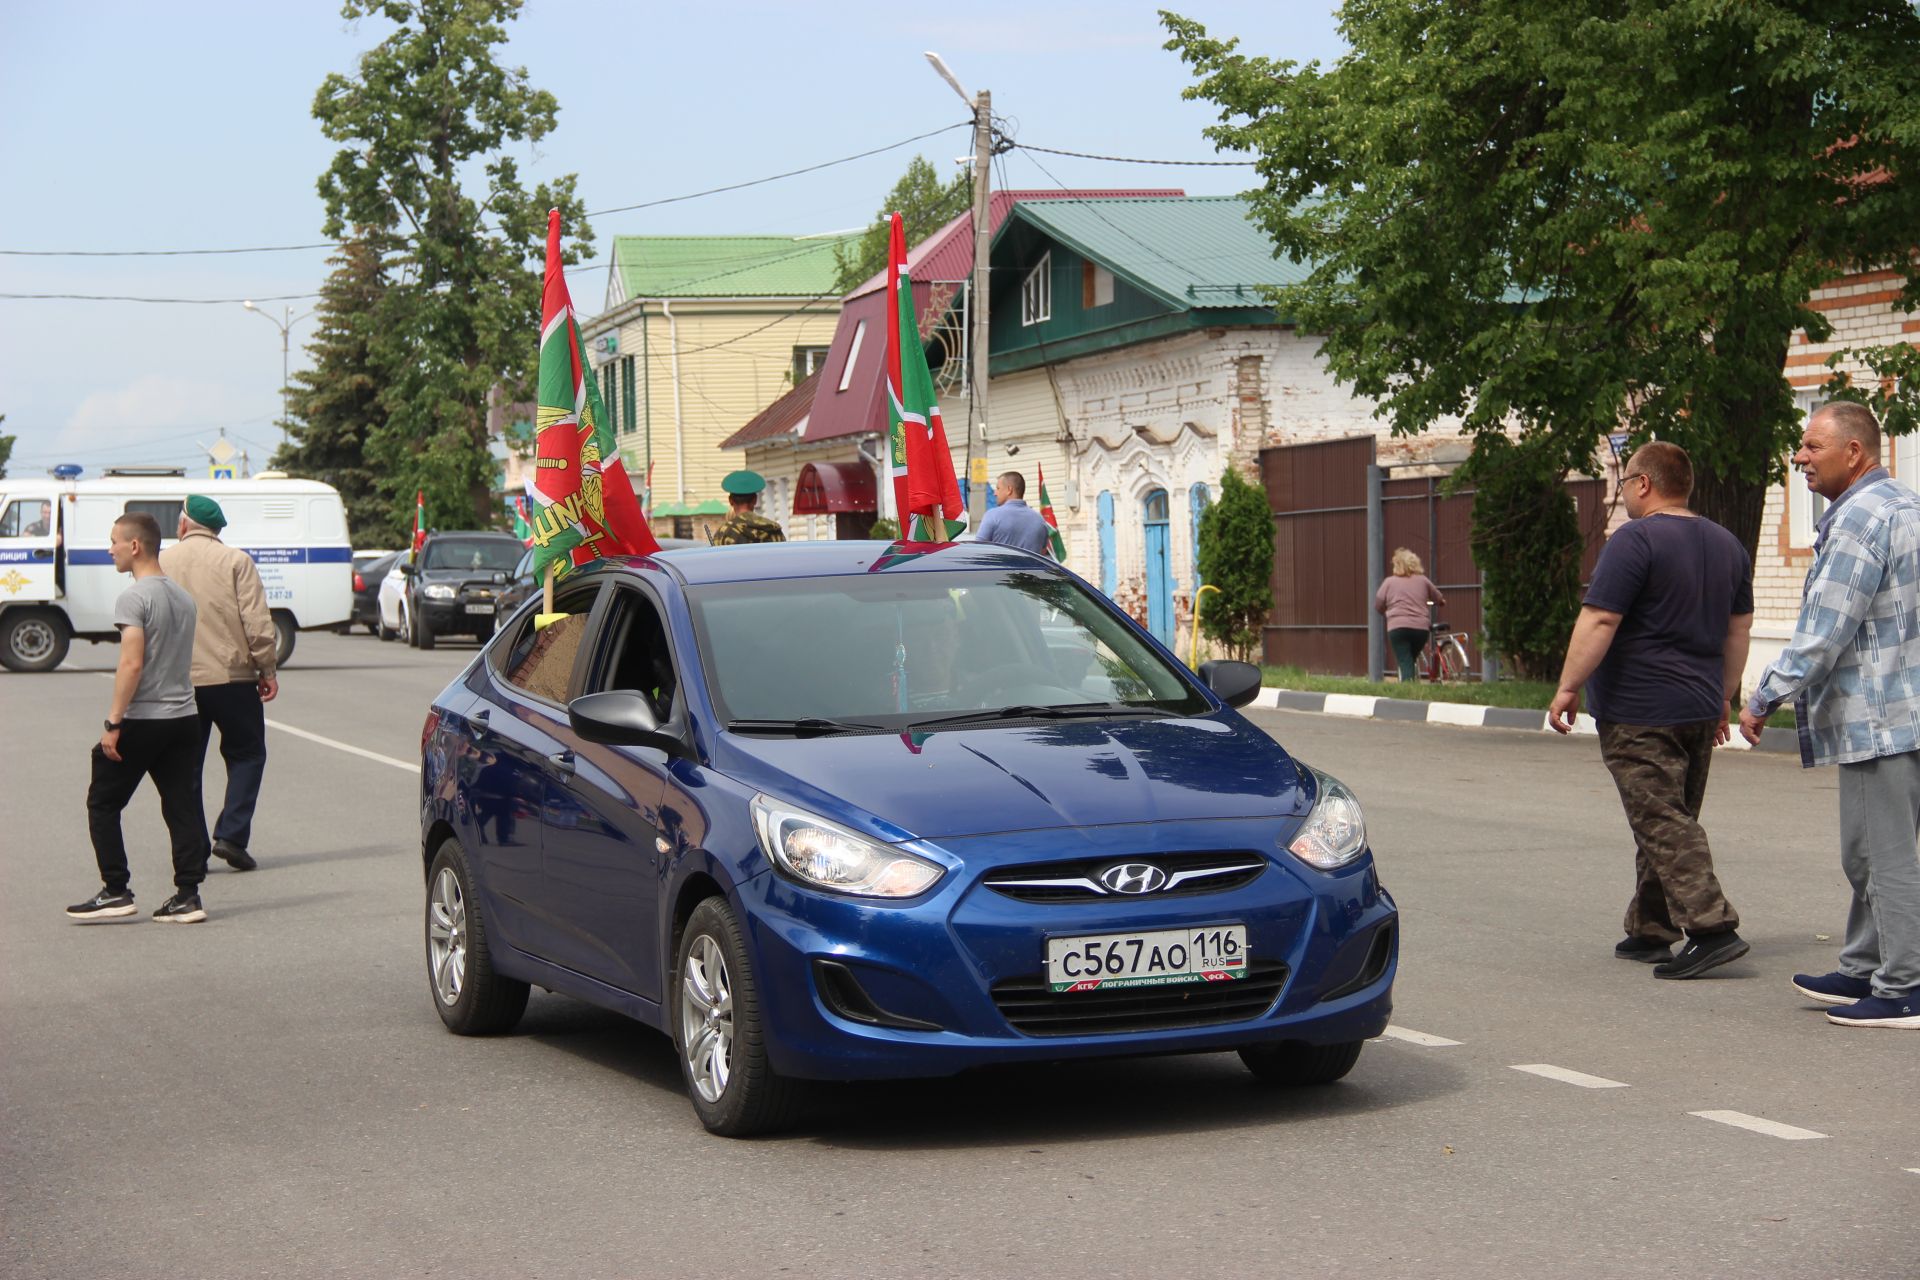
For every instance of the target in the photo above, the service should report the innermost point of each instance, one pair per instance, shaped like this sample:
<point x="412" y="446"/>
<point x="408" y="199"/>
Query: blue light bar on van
<point x="68" y="471"/>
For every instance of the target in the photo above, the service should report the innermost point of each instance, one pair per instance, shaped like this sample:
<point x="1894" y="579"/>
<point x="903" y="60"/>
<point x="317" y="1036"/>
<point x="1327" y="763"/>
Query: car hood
<point x="978" y="781"/>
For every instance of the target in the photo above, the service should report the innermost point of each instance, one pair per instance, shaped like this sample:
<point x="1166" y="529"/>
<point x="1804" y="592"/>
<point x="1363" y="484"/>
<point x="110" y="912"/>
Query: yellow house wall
<point x="735" y="358"/>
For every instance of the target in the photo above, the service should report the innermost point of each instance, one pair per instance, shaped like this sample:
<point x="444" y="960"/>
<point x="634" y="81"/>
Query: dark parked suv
<point x="454" y="587"/>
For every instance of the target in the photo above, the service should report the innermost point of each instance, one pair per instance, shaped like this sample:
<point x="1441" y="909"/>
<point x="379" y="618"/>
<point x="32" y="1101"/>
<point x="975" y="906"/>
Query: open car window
<point x="540" y="660"/>
<point x="636" y="654"/>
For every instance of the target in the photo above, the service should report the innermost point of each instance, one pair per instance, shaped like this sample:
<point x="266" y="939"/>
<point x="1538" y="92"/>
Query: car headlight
<point x="439" y="591"/>
<point x="1335" y="832"/>
<point x="828" y="856"/>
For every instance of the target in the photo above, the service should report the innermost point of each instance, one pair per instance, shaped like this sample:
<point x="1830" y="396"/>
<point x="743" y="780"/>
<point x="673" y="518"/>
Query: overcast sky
<point x="188" y="126"/>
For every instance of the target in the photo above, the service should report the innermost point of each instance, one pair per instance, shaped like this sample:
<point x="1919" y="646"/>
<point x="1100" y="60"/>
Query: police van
<point x="57" y="581"/>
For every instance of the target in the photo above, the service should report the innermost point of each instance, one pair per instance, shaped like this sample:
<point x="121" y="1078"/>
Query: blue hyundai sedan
<point x="845" y="811"/>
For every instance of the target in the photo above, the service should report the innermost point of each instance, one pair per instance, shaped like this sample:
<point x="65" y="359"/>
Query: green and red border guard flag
<point x="1053" y="522"/>
<point x="419" y="520"/>
<point x="584" y="505"/>
<point x="925" y="491"/>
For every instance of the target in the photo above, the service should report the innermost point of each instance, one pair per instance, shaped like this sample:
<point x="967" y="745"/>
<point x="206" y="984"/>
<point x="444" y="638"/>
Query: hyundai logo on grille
<point x="1134" y="877"/>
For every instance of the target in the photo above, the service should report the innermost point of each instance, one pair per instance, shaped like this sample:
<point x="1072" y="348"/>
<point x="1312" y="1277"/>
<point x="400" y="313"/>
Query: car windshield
<point x="890" y="651"/>
<point x="484" y="554"/>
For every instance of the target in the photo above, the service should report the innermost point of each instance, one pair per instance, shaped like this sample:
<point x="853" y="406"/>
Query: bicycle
<point x="1445" y="657"/>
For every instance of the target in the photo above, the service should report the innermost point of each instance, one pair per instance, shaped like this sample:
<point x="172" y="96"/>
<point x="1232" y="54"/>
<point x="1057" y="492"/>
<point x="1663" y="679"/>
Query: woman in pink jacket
<point x="1403" y="596"/>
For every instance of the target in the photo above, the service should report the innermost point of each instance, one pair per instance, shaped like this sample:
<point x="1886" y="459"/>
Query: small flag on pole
<point x="1053" y="523"/>
<point x="584" y="507"/>
<point x="926" y="492"/>
<point x="419" y="520"/>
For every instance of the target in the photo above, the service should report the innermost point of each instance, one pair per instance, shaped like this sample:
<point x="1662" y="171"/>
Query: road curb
<point x="1464" y="715"/>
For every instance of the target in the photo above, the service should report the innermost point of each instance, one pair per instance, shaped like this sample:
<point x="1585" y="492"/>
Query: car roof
<point x="756" y="562"/>
<point x="472" y="533"/>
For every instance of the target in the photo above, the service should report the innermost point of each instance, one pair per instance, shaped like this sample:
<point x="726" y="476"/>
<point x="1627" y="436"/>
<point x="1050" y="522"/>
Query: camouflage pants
<point x="1661" y="771"/>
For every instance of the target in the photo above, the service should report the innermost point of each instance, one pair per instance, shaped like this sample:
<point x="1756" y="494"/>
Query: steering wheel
<point x="994" y="682"/>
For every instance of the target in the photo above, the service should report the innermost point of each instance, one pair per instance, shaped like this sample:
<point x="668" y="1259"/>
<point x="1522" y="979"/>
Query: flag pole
<point x="546" y="598"/>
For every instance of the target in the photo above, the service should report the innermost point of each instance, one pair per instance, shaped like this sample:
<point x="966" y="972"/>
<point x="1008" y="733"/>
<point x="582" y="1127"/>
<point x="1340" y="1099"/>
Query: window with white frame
<point x="1804" y="506"/>
<point x="853" y="355"/>
<point x="1036" y="292"/>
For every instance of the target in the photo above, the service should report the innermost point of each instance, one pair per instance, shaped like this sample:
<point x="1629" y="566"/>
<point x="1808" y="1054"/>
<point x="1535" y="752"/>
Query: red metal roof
<point x="827" y="488"/>
<point x="936" y="263"/>
<point x="778" y="418"/>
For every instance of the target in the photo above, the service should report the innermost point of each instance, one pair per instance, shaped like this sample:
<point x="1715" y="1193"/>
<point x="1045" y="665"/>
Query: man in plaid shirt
<point x="1853" y="673"/>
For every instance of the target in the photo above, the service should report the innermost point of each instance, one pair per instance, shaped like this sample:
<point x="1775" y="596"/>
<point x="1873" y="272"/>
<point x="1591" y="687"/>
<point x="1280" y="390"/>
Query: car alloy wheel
<point x="718" y="1029"/>
<point x="706" y="1019"/>
<point x="447" y="937"/>
<point x="471" y="998"/>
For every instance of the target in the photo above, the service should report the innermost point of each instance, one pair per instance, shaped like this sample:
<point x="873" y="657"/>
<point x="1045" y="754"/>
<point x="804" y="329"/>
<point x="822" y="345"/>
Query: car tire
<point x="33" y="639"/>
<point x="422" y="633"/>
<point x="484" y="634"/>
<point x="284" y="633"/>
<point x="719" y="1034"/>
<point x="1295" y="1064"/>
<point x="470" y="997"/>
<point x="406" y="627"/>
<point x="382" y="630"/>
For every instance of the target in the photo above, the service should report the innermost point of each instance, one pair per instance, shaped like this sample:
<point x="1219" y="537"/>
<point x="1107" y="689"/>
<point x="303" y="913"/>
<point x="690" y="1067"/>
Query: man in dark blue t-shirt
<point x="1660" y="646"/>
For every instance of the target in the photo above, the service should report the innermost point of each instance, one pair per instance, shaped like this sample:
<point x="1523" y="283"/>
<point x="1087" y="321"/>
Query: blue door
<point x="1159" y="568"/>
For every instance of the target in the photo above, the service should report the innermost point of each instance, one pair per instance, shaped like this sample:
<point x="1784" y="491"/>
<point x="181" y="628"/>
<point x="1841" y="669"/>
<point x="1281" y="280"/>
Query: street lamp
<point x="981" y="104"/>
<point x="284" y="326"/>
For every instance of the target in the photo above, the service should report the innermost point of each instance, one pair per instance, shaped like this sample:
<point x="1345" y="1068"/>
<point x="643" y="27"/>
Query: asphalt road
<point x="270" y="1093"/>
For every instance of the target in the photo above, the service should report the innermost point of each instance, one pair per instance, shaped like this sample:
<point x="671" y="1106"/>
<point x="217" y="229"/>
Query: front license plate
<point x="479" y="608"/>
<point x="1103" y="962"/>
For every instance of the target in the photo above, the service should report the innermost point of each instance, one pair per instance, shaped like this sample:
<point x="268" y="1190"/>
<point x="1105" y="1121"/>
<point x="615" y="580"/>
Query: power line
<point x="158" y="253"/>
<point x="118" y="297"/>
<point x="791" y="173"/>
<point x="1086" y="155"/>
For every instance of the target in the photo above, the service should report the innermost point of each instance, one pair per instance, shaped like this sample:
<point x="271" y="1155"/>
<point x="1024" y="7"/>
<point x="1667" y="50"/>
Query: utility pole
<point x="982" y="105"/>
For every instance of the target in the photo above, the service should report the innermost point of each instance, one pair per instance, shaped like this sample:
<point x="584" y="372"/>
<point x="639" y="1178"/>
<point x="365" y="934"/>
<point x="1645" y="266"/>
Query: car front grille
<point x="1186" y="874"/>
<point x="1030" y="1007"/>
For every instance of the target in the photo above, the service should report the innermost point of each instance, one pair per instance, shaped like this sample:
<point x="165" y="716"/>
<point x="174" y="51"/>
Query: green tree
<point x="924" y="203"/>
<point x="1569" y="217"/>
<point x="336" y="404"/>
<point x="428" y="113"/>
<point x="6" y="449"/>
<point x="1525" y="536"/>
<point x="1236" y="555"/>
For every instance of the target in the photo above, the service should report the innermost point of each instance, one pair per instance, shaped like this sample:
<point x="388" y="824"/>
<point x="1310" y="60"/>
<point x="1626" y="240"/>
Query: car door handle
<point x="563" y="761"/>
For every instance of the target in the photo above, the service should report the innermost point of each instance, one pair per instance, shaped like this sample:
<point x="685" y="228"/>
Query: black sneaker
<point x="233" y="855"/>
<point x="181" y="908"/>
<point x="1645" y="950"/>
<point x="1703" y="952"/>
<point x="104" y="905"/>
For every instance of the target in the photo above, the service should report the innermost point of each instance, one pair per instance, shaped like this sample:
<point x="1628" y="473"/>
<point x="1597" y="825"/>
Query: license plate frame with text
<point x="1152" y="958"/>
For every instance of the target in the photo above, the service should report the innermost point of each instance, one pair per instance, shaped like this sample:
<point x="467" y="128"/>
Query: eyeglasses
<point x="1636" y="475"/>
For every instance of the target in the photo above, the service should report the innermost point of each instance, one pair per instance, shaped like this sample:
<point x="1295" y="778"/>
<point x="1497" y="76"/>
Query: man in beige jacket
<point x="233" y="664"/>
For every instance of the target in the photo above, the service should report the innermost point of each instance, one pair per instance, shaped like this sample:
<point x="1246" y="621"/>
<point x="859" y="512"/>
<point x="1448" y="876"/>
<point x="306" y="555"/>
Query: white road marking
<point x="1565" y="1076"/>
<point x="347" y="747"/>
<point x="1772" y="1128"/>
<point x="1416" y="1037"/>
<point x="1913" y="1171"/>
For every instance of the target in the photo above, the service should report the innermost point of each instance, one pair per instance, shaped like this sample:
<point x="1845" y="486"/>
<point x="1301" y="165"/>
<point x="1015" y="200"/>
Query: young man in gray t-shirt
<point x="152" y="731"/>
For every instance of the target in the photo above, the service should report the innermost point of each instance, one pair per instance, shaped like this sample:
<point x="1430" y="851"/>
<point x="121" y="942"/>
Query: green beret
<point x="743" y="482"/>
<point x="205" y="511"/>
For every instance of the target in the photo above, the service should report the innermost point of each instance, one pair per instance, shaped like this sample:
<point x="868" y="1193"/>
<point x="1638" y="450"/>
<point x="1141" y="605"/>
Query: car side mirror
<point x="1234" y="683"/>
<point x="622" y="717"/>
<point x="406" y="568"/>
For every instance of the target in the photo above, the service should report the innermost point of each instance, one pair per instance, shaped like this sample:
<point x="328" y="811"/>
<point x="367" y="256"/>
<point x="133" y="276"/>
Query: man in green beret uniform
<point x="745" y="524"/>
<point x="235" y="664"/>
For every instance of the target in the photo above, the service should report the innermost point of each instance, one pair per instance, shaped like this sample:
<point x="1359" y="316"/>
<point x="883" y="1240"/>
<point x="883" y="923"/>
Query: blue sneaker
<point x="1832" y="988"/>
<point x="1880" y="1011"/>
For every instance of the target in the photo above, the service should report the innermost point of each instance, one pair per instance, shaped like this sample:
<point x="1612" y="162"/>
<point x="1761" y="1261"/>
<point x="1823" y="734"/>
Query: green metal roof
<point x="711" y="507"/>
<point x="728" y="266"/>
<point x="1194" y="251"/>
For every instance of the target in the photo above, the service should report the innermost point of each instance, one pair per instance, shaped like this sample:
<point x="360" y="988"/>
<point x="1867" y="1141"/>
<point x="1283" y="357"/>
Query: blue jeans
<point x="236" y="710"/>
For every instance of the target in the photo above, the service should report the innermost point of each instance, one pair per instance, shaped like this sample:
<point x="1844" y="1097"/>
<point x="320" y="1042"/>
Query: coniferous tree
<point x="335" y="405"/>
<point x="6" y="449"/>
<point x="1236" y="555"/>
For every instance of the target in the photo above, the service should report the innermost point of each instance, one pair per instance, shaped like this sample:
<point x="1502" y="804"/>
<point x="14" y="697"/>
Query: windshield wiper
<point x="805" y="727"/>
<point x="1029" y="711"/>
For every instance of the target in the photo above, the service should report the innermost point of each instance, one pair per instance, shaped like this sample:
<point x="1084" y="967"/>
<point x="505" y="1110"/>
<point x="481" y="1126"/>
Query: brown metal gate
<point x="1322" y="584"/>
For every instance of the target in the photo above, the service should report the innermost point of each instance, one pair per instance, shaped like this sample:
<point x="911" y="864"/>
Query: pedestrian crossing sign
<point x="219" y="471"/>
